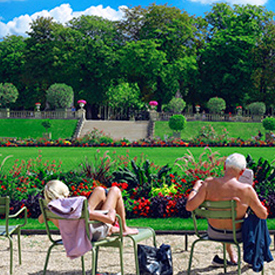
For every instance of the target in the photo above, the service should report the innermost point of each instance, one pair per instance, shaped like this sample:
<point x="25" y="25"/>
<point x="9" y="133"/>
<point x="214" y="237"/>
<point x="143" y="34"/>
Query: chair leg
<point x="47" y="258"/>
<point x="239" y="260"/>
<point x="224" y="257"/>
<point x="121" y="259"/>
<point x="19" y="245"/>
<point x="94" y="267"/>
<point x="191" y="256"/>
<point x="83" y="265"/>
<point x="136" y="258"/>
<point x="11" y="254"/>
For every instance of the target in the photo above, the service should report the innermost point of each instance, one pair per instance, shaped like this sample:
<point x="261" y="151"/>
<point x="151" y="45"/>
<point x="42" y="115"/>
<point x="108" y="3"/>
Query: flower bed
<point x="148" y="190"/>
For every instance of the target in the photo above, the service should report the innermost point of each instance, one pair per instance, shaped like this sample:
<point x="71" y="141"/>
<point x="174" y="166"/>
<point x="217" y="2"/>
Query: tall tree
<point x="227" y="60"/>
<point x="12" y="50"/>
<point x="172" y="30"/>
<point x="264" y="73"/>
<point x="94" y="61"/>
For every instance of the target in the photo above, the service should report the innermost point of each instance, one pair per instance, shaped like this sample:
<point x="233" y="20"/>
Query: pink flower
<point x="153" y="103"/>
<point x="81" y="101"/>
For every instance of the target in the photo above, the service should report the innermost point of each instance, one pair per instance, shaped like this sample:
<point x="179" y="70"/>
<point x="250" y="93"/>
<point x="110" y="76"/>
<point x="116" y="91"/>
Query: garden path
<point x="34" y="250"/>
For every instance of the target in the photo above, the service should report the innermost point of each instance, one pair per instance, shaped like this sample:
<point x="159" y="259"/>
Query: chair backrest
<point x="217" y="210"/>
<point x="48" y="214"/>
<point x="5" y="210"/>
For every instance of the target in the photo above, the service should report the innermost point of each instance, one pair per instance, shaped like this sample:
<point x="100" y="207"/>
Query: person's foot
<point x="130" y="231"/>
<point x="217" y="261"/>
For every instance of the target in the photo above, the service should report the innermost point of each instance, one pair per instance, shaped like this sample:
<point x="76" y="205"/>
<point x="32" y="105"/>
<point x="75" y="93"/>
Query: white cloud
<point x="62" y="14"/>
<point x="238" y="2"/>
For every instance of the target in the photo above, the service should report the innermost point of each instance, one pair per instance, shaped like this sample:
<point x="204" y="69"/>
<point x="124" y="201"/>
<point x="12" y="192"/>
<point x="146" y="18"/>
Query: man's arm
<point x="255" y="204"/>
<point x="197" y="196"/>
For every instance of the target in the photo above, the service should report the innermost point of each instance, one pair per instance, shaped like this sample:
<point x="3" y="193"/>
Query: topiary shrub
<point x="177" y="123"/>
<point x="216" y="105"/>
<point x="8" y="94"/>
<point x="176" y="105"/>
<point x="269" y="123"/>
<point x="257" y="108"/>
<point x="60" y="96"/>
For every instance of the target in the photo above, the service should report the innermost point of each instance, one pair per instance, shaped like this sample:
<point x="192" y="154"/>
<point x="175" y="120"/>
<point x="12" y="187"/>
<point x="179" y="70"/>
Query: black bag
<point x="155" y="261"/>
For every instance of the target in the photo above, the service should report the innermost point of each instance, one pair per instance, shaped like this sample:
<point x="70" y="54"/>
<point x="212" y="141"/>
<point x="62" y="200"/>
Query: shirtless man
<point x="225" y="188"/>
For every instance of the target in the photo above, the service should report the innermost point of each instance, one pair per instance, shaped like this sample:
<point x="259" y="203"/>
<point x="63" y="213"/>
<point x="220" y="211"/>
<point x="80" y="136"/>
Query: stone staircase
<point x="131" y="130"/>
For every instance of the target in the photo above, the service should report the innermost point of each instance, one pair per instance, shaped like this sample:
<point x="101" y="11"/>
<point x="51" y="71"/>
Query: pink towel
<point x="73" y="232"/>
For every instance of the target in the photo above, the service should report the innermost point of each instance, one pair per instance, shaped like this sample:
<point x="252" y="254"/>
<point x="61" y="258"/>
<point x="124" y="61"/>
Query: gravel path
<point x="34" y="250"/>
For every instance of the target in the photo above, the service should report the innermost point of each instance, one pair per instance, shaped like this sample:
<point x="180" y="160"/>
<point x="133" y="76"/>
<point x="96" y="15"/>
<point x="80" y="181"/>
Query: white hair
<point x="236" y="161"/>
<point x="56" y="189"/>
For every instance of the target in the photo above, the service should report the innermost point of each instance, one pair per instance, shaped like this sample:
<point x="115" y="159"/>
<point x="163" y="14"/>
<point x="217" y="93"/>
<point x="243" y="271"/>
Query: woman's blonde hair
<point x="56" y="189"/>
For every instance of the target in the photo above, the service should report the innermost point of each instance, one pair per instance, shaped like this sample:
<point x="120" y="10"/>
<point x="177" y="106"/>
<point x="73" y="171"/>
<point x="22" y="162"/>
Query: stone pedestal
<point x="37" y="114"/>
<point x="81" y="113"/>
<point x="154" y="115"/>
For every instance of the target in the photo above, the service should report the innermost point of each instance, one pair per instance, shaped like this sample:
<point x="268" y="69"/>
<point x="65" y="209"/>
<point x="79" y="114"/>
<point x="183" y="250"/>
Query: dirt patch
<point x="34" y="249"/>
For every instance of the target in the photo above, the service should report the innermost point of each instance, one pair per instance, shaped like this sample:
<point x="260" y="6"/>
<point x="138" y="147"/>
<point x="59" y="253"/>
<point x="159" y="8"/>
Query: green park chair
<point x="216" y="210"/>
<point x="112" y="241"/>
<point x="143" y="234"/>
<point x="8" y="230"/>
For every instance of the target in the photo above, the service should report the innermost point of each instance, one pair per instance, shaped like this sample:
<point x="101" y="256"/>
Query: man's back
<point x="218" y="189"/>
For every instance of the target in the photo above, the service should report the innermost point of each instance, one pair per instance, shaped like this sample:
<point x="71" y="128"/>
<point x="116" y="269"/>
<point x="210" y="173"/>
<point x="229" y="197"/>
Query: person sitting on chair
<point x="226" y="188"/>
<point x="100" y="199"/>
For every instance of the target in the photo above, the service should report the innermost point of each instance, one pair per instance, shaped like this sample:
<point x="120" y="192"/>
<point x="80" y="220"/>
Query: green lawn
<point x="236" y="129"/>
<point x="72" y="157"/>
<point x="156" y="224"/>
<point x="32" y="128"/>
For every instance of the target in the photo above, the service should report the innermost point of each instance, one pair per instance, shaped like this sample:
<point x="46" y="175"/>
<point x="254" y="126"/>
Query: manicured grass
<point x="71" y="157"/>
<point x="156" y="224"/>
<point x="236" y="129"/>
<point x="32" y="128"/>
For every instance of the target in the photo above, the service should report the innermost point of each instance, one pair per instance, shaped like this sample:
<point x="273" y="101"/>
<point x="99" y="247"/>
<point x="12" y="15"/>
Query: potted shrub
<point x="177" y="123"/>
<point x="47" y="125"/>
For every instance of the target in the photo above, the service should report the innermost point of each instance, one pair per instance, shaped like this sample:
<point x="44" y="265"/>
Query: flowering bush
<point x="165" y="196"/>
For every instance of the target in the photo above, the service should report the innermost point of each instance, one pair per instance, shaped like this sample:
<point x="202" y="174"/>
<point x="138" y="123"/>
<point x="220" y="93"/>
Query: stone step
<point x="131" y="130"/>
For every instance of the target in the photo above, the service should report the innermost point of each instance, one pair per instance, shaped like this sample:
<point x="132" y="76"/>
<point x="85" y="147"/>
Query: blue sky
<point x="15" y="15"/>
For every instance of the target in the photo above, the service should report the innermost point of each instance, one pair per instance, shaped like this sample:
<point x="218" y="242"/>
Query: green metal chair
<point x="143" y="234"/>
<point x="217" y="210"/>
<point x="112" y="241"/>
<point x="9" y="230"/>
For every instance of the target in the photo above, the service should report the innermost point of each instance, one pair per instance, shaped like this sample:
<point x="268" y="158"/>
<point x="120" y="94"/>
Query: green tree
<point x="176" y="105"/>
<point x="124" y="98"/>
<point x="142" y="62"/>
<point x="60" y="96"/>
<point x="264" y="74"/>
<point x="12" y="49"/>
<point x="227" y="59"/>
<point x="93" y="43"/>
<point x="257" y="108"/>
<point x="216" y="105"/>
<point x="177" y="122"/>
<point x="8" y="94"/>
<point x="173" y="31"/>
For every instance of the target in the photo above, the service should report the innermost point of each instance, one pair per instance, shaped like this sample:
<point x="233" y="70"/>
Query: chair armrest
<point x="18" y="213"/>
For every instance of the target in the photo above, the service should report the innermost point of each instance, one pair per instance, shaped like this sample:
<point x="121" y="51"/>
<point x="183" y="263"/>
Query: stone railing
<point x="214" y="117"/>
<point x="62" y="114"/>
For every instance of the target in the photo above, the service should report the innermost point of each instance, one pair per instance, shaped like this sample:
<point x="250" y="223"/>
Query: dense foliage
<point x="8" y="94"/>
<point x="177" y="122"/>
<point x="148" y="190"/>
<point x="160" y="50"/>
<point x="60" y="96"/>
